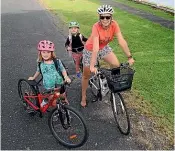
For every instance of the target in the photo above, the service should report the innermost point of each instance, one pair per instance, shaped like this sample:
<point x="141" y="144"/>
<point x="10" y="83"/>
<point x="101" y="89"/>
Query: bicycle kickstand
<point x="40" y="115"/>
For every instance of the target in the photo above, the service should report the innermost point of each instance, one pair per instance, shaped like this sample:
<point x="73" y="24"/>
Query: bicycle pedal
<point x="29" y="111"/>
<point x="32" y="113"/>
<point x="40" y="115"/>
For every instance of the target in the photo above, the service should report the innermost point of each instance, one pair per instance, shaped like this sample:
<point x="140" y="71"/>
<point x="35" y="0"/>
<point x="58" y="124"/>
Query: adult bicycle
<point x="114" y="81"/>
<point x="66" y="123"/>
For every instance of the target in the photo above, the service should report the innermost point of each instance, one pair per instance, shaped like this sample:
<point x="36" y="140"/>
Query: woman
<point x="97" y="46"/>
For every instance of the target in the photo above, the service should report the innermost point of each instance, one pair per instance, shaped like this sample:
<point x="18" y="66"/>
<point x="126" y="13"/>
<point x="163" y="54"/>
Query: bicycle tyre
<point x="21" y="95"/>
<point x="59" y="135"/>
<point x="119" y="108"/>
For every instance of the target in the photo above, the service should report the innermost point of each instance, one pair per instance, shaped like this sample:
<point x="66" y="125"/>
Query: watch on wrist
<point x="130" y="57"/>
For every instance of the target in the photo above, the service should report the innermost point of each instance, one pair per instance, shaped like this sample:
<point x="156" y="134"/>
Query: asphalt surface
<point x="24" y="23"/>
<point x="153" y="18"/>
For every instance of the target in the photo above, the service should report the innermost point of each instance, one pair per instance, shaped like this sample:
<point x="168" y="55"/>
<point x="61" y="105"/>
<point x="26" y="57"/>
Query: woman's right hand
<point x="93" y="70"/>
<point x="131" y="61"/>
<point x="31" y="78"/>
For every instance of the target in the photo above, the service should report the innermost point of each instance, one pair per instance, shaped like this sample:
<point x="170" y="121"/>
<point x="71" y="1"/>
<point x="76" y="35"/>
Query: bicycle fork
<point x="64" y="116"/>
<point x="114" y="102"/>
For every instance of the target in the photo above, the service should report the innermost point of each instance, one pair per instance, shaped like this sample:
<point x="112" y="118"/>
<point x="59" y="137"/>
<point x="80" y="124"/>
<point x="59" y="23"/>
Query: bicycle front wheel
<point x="120" y="113"/>
<point x="68" y="127"/>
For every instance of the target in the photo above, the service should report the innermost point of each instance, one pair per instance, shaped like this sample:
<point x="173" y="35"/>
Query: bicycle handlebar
<point x="122" y="65"/>
<point x="57" y="86"/>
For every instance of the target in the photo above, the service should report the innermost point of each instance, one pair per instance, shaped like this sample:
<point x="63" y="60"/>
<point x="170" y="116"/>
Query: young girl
<point x="75" y="44"/>
<point x="51" y="76"/>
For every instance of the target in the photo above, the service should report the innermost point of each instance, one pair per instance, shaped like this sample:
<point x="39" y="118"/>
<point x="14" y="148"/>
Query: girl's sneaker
<point x="79" y="75"/>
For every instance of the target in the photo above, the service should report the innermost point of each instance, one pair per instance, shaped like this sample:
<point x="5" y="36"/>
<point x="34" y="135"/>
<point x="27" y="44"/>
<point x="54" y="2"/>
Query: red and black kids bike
<point x="66" y="124"/>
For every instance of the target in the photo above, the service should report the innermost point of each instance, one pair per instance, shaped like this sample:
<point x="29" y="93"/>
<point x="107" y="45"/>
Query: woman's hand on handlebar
<point x="131" y="61"/>
<point x="93" y="70"/>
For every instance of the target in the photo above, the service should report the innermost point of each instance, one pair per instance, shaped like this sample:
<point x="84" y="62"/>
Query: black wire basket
<point x="119" y="79"/>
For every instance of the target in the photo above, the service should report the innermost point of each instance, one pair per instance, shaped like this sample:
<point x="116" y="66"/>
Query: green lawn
<point x="147" y="8"/>
<point x="150" y="44"/>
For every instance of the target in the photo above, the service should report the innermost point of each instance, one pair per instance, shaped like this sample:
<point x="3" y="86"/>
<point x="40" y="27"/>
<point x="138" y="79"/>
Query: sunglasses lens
<point x="108" y="17"/>
<point x="103" y="17"/>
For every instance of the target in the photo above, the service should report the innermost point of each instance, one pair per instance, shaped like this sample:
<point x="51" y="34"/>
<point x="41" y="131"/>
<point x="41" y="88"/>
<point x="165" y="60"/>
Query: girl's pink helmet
<point x="46" y="45"/>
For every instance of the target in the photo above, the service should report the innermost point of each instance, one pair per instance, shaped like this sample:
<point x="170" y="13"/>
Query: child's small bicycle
<point x="66" y="124"/>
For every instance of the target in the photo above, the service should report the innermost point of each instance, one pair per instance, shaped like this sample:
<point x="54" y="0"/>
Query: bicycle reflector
<point x="73" y="136"/>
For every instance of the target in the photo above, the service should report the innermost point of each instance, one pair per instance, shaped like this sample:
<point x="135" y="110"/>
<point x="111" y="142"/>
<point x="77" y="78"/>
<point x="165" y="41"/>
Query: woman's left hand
<point x="93" y="70"/>
<point x="131" y="61"/>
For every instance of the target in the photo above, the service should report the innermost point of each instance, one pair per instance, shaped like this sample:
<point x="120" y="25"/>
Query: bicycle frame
<point x="40" y="98"/>
<point x="99" y="93"/>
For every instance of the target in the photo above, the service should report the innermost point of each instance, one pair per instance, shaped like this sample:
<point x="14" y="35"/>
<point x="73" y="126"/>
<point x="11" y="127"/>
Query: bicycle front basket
<point x="119" y="79"/>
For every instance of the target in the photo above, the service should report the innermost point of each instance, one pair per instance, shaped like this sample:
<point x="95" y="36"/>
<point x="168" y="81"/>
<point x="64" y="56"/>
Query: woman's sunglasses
<point x="107" y="17"/>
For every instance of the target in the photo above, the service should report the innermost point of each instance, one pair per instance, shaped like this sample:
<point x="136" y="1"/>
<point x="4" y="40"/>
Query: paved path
<point x="166" y="23"/>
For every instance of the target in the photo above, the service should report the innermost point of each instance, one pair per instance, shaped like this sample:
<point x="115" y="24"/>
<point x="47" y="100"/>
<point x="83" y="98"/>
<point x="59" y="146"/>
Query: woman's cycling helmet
<point x="46" y="45"/>
<point x="105" y="9"/>
<point x="74" y="24"/>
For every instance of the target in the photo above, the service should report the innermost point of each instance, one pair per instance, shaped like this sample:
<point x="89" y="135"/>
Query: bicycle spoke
<point x="120" y="113"/>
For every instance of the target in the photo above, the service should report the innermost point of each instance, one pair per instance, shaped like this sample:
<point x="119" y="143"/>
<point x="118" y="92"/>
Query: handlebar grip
<point x="125" y="64"/>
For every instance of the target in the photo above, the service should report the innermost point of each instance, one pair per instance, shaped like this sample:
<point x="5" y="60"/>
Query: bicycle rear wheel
<point x="120" y="113"/>
<point x="25" y="89"/>
<point x="68" y="127"/>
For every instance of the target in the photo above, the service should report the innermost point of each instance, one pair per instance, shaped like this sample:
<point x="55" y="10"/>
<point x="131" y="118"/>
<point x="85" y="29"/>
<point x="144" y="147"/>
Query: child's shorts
<point x="101" y="54"/>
